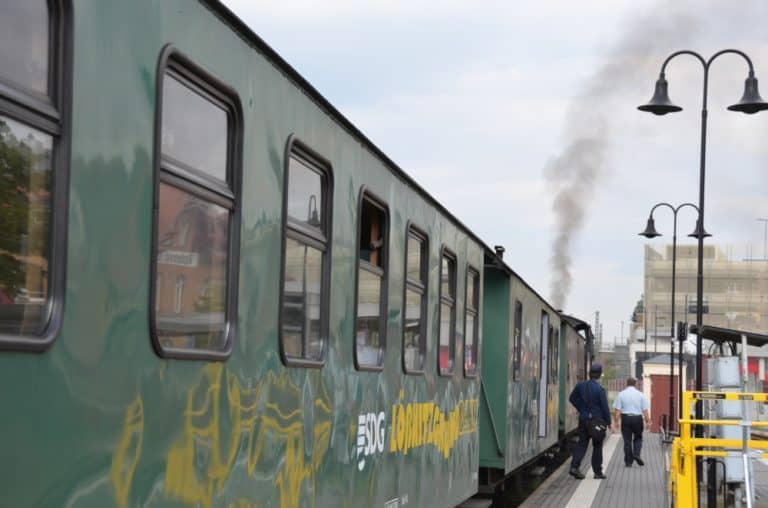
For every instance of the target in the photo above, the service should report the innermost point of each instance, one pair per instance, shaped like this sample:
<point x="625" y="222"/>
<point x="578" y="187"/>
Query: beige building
<point x="735" y="289"/>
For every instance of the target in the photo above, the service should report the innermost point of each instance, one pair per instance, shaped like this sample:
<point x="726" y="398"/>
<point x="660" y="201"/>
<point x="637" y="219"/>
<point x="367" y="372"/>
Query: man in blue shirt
<point x="589" y="398"/>
<point x="631" y="408"/>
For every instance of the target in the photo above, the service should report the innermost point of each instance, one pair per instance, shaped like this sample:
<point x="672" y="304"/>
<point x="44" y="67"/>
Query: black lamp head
<point x="660" y="103"/>
<point x="699" y="231"/>
<point x="314" y="219"/>
<point x="750" y="102"/>
<point x="650" y="229"/>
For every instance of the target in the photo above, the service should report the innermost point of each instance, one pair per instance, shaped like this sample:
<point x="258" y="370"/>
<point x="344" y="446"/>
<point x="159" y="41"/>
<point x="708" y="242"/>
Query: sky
<point x="520" y="117"/>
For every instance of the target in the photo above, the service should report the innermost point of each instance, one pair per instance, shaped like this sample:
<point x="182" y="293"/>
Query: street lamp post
<point x="650" y="232"/>
<point x="660" y="104"/>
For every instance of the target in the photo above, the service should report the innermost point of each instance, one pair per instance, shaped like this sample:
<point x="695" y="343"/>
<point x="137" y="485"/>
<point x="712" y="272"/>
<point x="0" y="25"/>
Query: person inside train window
<point x="370" y="315"/>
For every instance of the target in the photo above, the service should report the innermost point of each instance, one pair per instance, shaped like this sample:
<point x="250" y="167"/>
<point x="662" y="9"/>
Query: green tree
<point x="638" y="311"/>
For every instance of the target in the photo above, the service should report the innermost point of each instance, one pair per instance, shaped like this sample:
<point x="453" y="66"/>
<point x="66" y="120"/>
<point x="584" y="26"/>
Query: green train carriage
<point x="215" y="291"/>
<point x="221" y="293"/>
<point x="576" y="342"/>
<point x="532" y="357"/>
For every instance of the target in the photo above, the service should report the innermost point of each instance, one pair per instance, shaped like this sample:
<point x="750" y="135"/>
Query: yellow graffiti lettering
<point x="418" y="424"/>
<point x="128" y="451"/>
<point x="261" y="416"/>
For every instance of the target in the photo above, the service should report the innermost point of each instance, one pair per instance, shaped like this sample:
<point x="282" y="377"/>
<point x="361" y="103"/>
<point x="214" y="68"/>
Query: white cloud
<point x="470" y="99"/>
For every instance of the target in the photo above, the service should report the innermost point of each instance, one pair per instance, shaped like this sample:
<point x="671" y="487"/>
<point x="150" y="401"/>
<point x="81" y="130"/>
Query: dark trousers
<point x="632" y="432"/>
<point x="581" y="449"/>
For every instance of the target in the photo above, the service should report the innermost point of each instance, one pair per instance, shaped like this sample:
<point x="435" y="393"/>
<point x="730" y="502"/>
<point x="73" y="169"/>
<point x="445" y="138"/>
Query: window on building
<point x="471" y="323"/>
<point x="370" y="311"/>
<point x="304" y="313"/>
<point x="518" y="341"/>
<point x="32" y="166"/>
<point x="415" y="320"/>
<point x="197" y="212"/>
<point x="446" y="353"/>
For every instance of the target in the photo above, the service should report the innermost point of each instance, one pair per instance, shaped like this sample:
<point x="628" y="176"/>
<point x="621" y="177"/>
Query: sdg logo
<point x="370" y="436"/>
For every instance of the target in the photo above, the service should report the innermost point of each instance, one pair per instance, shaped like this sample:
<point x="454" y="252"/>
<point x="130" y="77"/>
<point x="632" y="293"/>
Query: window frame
<point x="413" y="230"/>
<point x="191" y="181"/>
<point x="475" y="312"/>
<point x="517" y="342"/>
<point x="367" y="195"/>
<point x="445" y="252"/>
<point x="299" y="233"/>
<point x="51" y="114"/>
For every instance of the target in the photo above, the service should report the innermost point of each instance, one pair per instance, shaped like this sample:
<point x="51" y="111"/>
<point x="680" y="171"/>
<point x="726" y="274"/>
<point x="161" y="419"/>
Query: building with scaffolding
<point x="735" y="296"/>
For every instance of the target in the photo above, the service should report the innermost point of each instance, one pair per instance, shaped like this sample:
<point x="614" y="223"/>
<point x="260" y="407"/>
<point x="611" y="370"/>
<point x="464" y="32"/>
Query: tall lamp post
<point x="660" y="104"/>
<point x="650" y="232"/>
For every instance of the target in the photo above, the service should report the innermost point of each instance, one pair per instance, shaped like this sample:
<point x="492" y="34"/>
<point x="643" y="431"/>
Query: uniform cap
<point x="596" y="368"/>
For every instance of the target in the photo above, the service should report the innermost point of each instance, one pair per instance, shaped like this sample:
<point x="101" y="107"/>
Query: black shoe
<point x="576" y="473"/>
<point x="639" y="461"/>
<point x="600" y="476"/>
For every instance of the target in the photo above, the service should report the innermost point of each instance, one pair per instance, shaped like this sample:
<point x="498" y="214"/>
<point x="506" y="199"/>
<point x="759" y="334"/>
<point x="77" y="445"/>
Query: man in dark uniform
<point x="589" y="399"/>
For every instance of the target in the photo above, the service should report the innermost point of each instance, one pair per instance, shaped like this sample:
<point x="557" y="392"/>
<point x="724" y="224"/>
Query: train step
<point x="476" y="503"/>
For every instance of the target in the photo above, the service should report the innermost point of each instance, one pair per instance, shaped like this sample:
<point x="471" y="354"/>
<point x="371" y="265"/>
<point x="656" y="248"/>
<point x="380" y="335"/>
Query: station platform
<point x="627" y="487"/>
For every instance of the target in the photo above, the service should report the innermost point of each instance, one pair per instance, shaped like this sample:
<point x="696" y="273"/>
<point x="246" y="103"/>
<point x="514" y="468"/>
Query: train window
<point x="471" y="323"/>
<point x="33" y="144"/>
<point x="370" y="310"/>
<point x="196" y="213"/>
<point x="518" y="341"/>
<point x="555" y="349"/>
<point x="24" y="53"/>
<point x="306" y="261"/>
<point x="415" y="322"/>
<point x="446" y="355"/>
<point x="551" y="352"/>
<point x="188" y="120"/>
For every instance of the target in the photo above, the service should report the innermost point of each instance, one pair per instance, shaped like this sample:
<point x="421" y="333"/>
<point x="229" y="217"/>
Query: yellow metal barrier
<point x="685" y="448"/>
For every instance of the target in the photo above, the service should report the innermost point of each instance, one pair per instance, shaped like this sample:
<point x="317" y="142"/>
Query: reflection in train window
<point x="446" y="353"/>
<point x="196" y="229"/>
<point x="415" y="313"/>
<point x="306" y="261"/>
<point x="32" y="160"/>
<point x="471" y="323"/>
<point x="517" y="353"/>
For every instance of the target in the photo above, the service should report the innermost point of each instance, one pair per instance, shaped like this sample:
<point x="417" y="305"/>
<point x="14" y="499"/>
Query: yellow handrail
<point x="686" y="447"/>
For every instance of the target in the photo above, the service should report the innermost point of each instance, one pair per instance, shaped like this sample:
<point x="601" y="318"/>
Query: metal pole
<point x="700" y="253"/>
<point x="672" y="326"/>
<point x="745" y="430"/>
<point x="680" y="355"/>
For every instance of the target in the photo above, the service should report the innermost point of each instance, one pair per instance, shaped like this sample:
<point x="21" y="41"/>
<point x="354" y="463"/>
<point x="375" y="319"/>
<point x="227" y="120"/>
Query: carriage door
<point x="543" y="373"/>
